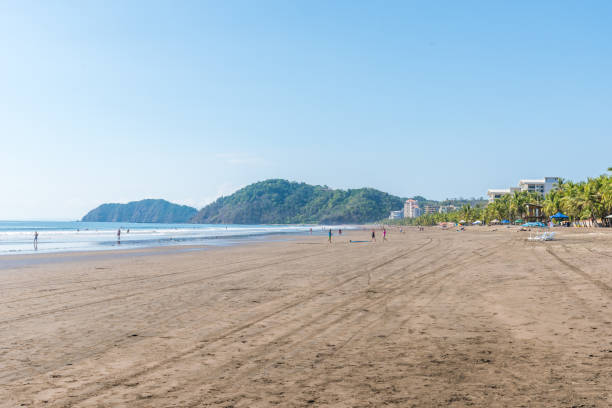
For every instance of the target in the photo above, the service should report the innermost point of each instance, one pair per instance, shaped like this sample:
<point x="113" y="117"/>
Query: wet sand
<point x="433" y="318"/>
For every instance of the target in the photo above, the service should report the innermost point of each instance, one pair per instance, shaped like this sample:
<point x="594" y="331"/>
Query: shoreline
<point x="10" y="261"/>
<point x="54" y="237"/>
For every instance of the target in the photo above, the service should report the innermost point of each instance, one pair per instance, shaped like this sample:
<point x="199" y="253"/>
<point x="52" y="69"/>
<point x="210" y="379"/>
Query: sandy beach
<point x="433" y="318"/>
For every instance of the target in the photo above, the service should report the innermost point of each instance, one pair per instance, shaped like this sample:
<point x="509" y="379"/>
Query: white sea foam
<point x="18" y="237"/>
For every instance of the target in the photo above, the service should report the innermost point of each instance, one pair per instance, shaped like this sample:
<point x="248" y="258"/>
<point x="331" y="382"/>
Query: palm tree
<point x="466" y="212"/>
<point x="519" y="202"/>
<point x="552" y="202"/>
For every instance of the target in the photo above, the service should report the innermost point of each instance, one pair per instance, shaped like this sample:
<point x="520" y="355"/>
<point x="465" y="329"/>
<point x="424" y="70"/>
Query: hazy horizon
<point x="199" y="207"/>
<point x="116" y="102"/>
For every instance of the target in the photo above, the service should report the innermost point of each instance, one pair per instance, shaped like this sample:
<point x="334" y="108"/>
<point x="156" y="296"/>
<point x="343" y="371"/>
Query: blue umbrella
<point x="559" y="216"/>
<point x="534" y="224"/>
<point x="505" y="222"/>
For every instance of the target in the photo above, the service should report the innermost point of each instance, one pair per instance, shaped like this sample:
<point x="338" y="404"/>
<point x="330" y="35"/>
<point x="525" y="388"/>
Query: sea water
<point x="17" y="237"/>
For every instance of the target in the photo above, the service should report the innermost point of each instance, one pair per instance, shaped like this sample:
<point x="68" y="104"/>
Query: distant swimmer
<point x="36" y="240"/>
<point x="128" y="231"/>
<point x="373" y="235"/>
<point x="339" y="231"/>
<point x="119" y="236"/>
<point x="330" y="234"/>
<point x="311" y="231"/>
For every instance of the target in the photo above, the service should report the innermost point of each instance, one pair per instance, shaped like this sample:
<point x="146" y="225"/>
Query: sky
<point x="114" y="101"/>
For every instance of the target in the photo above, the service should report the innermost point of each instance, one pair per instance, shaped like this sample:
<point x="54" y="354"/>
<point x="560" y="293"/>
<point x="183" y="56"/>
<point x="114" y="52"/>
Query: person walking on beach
<point x="330" y="234"/>
<point x="119" y="236"/>
<point x="36" y="240"/>
<point x="373" y="235"/>
<point x="384" y="234"/>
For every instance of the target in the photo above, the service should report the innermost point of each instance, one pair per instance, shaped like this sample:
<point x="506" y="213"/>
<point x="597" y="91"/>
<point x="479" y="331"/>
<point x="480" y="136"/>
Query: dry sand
<point x="434" y="318"/>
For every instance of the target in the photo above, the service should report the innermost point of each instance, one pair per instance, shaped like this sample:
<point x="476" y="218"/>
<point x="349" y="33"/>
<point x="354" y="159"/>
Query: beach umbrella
<point x="477" y="222"/>
<point x="609" y="216"/>
<point x="559" y="216"/>
<point x="518" y="221"/>
<point x="462" y="222"/>
<point x="505" y="222"/>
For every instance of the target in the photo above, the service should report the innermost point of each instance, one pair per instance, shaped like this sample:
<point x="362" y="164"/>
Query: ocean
<point x="17" y="237"/>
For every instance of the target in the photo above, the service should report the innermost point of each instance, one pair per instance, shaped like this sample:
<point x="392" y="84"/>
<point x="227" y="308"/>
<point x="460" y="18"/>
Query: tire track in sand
<point x="122" y="339"/>
<point x="313" y="324"/>
<point x="603" y="286"/>
<point x="209" y="340"/>
<point x="271" y="352"/>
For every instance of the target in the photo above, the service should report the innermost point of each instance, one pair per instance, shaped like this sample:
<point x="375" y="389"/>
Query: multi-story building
<point x="447" y="209"/>
<point x="430" y="209"/>
<point x="494" y="194"/>
<point x="541" y="186"/>
<point x="411" y="209"/>
<point x="396" y="215"/>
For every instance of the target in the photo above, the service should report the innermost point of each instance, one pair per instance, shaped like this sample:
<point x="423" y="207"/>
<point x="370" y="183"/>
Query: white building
<point x="411" y="209"/>
<point x="541" y="186"/>
<point x="396" y="215"/>
<point x="494" y="194"/>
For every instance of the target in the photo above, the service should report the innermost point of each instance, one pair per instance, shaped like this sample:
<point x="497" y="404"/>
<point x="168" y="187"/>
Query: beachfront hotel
<point x="411" y="209"/>
<point x="541" y="186"/>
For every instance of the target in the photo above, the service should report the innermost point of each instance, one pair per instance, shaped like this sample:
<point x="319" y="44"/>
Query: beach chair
<point x="534" y="238"/>
<point x="546" y="236"/>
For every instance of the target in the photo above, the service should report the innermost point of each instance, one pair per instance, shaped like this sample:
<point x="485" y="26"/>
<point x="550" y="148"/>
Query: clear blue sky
<point x="104" y="101"/>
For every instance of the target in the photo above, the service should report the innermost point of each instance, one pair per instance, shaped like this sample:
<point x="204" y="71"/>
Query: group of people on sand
<point x="384" y="231"/>
<point x="330" y="233"/>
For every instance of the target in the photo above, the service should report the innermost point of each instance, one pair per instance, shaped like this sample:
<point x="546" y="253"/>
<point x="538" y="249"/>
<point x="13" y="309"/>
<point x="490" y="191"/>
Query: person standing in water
<point x="330" y="234"/>
<point x="36" y="240"/>
<point x="119" y="236"/>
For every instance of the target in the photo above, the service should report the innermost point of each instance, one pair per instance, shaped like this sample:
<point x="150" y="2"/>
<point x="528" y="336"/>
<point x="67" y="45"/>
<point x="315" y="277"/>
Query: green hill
<point x="158" y="211"/>
<point x="282" y="202"/>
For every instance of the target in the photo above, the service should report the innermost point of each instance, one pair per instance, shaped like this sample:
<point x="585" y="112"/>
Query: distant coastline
<point x="273" y="201"/>
<point x="143" y="211"/>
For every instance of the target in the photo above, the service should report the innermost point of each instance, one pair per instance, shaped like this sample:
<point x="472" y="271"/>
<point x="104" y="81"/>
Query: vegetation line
<point x="585" y="200"/>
